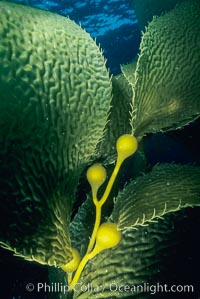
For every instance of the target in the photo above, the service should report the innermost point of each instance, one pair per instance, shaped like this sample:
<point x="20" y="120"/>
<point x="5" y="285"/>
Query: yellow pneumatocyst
<point x="126" y="146"/>
<point x="96" y="175"/>
<point x="73" y="264"/>
<point x="107" y="235"/>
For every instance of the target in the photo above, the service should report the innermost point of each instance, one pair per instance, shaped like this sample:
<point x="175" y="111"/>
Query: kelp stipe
<point x="106" y="235"/>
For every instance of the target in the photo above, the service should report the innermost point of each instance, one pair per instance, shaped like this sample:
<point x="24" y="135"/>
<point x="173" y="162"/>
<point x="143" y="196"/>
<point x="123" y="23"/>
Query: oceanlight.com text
<point x="112" y="287"/>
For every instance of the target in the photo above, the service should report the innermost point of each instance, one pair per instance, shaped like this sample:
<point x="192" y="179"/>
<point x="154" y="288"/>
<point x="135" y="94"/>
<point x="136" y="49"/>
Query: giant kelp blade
<point x="146" y="249"/>
<point x="166" y="189"/>
<point x="145" y="257"/>
<point x="128" y="71"/>
<point x="167" y="85"/>
<point x="119" y="118"/>
<point x="118" y="121"/>
<point x="82" y="225"/>
<point x="54" y="99"/>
